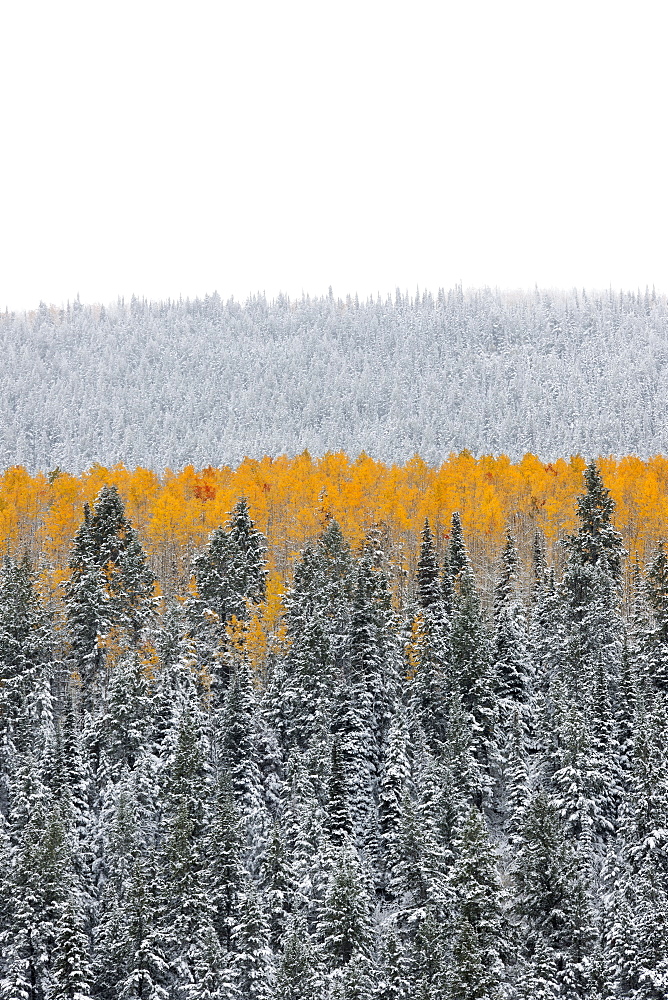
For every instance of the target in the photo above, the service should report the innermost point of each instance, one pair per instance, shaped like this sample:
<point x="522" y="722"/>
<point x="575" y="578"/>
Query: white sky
<point x="168" y="148"/>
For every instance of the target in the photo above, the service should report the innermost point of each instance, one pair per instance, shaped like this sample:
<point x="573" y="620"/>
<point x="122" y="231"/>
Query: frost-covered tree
<point x="231" y="570"/>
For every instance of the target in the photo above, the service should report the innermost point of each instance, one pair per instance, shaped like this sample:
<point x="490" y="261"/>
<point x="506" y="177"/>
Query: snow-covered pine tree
<point x="458" y="558"/>
<point x="472" y="672"/>
<point x="223" y="871"/>
<point x="231" y="570"/>
<point x="431" y="651"/>
<point x="109" y="591"/>
<point x="428" y="575"/>
<point x="551" y="882"/>
<point x="27" y="668"/>
<point x="345" y="925"/>
<point x="253" y="961"/>
<point x="480" y="935"/>
<point x="511" y="659"/>
<point x="591" y="587"/>
<point x="657" y="637"/>
<point x="299" y="976"/>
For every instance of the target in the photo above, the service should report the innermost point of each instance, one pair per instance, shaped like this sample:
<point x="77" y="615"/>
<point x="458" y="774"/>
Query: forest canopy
<point x="376" y="779"/>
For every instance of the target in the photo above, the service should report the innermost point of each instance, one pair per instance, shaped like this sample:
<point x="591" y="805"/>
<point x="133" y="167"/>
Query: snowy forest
<point x="207" y="382"/>
<point x="413" y="791"/>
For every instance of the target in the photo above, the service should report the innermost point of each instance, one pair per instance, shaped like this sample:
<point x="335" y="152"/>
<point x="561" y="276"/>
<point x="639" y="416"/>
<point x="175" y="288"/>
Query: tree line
<point x="407" y="792"/>
<point x="291" y="499"/>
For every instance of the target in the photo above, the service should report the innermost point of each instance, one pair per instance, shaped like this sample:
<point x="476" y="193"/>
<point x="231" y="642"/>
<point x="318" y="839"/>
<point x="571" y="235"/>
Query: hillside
<point x="209" y="382"/>
<point x="358" y="792"/>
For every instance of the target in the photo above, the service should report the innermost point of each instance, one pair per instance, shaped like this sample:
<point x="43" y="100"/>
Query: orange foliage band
<point x="290" y="499"/>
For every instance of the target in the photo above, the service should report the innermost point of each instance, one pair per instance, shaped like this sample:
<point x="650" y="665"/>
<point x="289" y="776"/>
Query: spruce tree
<point x="224" y="874"/>
<point x="345" y="924"/>
<point x="480" y="937"/>
<point x="592" y="585"/>
<point x="458" y="558"/>
<point x="657" y="638"/>
<point x="253" y="963"/>
<point x="552" y="893"/>
<point x="299" y="976"/>
<point x="511" y="666"/>
<point x="428" y="583"/>
<point x="109" y="593"/>
<point x="231" y="570"/>
<point x="27" y="667"/>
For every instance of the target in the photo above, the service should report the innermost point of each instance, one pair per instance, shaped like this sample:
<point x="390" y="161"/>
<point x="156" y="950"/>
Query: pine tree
<point x="113" y="546"/>
<point x="472" y="669"/>
<point x="393" y="975"/>
<point x="539" y="563"/>
<point x="480" y="936"/>
<point x="276" y="884"/>
<point x="339" y="820"/>
<point x="231" y="570"/>
<point x="127" y="723"/>
<point x="592" y="583"/>
<point x="457" y="556"/>
<point x="40" y="881"/>
<point x="429" y="956"/>
<point x="551" y="892"/>
<point x="537" y="976"/>
<point x="583" y="791"/>
<point x="224" y="875"/>
<point x="428" y="583"/>
<point x="253" y="965"/>
<point x="345" y="924"/>
<point x="212" y="974"/>
<point x="71" y="962"/>
<point x="26" y="656"/>
<point x="130" y="958"/>
<point x="318" y="615"/>
<point x="237" y="749"/>
<point x="299" y="976"/>
<point x="392" y="787"/>
<point x="430" y="654"/>
<point x="511" y="666"/>
<point x="657" y="638"/>
<point x="109" y="590"/>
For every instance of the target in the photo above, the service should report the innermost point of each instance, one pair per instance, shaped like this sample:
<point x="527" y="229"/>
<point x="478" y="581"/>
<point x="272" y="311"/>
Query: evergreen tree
<point x="339" y="825"/>
<point x="429" y="956"/>
<point x="511" y="665"/>
<point x="472" y="669"/>
<point x="428" y="583"/>
<point x="231" y="570"/>
<point x="480" y="938"/>
<point x="224" y="874"/>
<point x="26" y="658"/>
<point x="253" y="963"/>
<point x="393" y="974"/>
<point x="592" y="585"/>
<point x="430" y="654"/>
<point x="551" y="893"/>
<point x="127" y="736"/>
<point x="71" y="962"/>
<point x="130" y="957"/>
<point x="237" y="749"/>
<point x="298" y="972"/>
<point x="458" y="558"/>
<point x="109" y="593"/>
<point x="345" y="924"/>
<point x="657" y="637"/>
